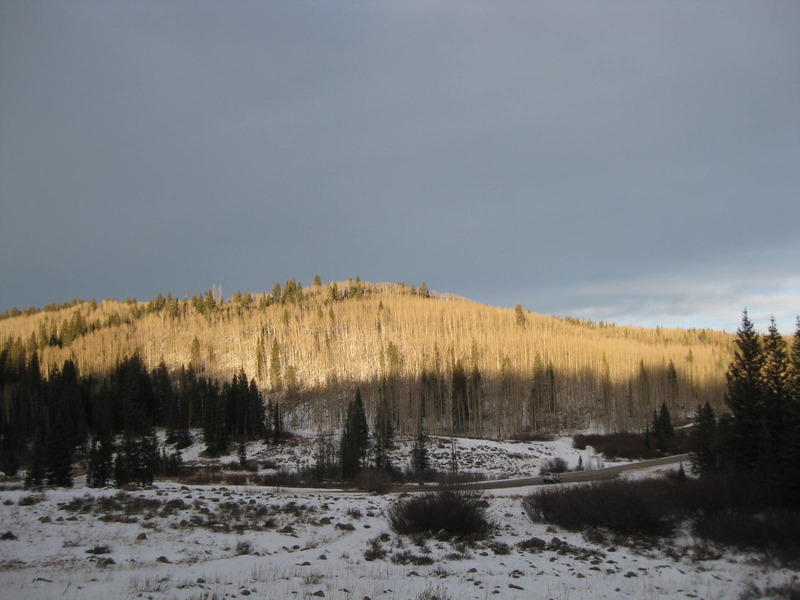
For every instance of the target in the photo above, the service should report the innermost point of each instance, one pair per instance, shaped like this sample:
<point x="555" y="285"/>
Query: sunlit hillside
<point x="435" y="359"/>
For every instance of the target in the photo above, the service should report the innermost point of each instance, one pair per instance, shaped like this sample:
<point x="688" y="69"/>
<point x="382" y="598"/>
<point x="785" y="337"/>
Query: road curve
<point x="571" y="477"/>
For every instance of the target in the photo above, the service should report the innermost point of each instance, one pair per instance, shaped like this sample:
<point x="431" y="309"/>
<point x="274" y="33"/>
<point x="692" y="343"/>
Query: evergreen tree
<point x="355" y="438"/>
<point x="705" y="440"/>
<point x="744" y="395"/>
<point x="36" y="470"/>
<point x="663" y="431"/>
<point x="58" y="467"/>
<point x="100" y="463"/>
<point x="790" y="442"/>
<point x="420" y="461"/>
<point x="241" y="454"/>
<point x="519" y="316"/>
<point x="775" y="373"/>
<point x="137" y="459"/>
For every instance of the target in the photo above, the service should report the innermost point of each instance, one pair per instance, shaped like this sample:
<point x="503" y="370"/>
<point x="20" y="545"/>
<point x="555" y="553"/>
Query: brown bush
<point x="455" y="512"/>
<point x="632" y="508"/>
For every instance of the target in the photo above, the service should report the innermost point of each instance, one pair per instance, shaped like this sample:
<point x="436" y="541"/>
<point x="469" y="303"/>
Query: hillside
<point x="449" y="363"/>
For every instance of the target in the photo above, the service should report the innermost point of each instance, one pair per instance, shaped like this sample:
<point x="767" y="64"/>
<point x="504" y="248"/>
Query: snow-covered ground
<point x="212" y="542"/>
<point x="487" y="458"/>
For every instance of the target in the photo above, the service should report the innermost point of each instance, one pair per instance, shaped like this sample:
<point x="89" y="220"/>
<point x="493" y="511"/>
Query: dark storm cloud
<point x="573" y="157"/>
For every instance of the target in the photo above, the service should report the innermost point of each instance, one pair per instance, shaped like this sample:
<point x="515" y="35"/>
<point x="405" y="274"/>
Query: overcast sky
<point x="637" y="162"/>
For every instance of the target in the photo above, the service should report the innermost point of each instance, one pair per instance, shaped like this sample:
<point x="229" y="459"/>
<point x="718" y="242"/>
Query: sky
<point x="632" y="162"/>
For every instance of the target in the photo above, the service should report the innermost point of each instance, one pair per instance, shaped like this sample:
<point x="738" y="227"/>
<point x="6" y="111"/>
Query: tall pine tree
<point x="355" y="438"/>
<point x="744" y="395"/>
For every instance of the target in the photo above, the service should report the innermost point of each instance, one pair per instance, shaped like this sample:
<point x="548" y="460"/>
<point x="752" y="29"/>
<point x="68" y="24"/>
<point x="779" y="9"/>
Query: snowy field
<point x="211" y="542"/>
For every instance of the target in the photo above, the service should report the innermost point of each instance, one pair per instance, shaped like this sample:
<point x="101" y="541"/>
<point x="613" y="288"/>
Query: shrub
<point x="453" y="511"/>
<point x="554" y="465"/>
<point x="623" y="507"/>
<point x="434" y="593"/>
<point x="774" y="533"/>
<point x="244" y="547"/>
<point x="628" y="445"/>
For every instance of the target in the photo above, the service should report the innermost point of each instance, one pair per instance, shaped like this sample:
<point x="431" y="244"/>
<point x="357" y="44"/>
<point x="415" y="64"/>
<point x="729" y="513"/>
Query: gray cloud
<point x="541" y="153"/>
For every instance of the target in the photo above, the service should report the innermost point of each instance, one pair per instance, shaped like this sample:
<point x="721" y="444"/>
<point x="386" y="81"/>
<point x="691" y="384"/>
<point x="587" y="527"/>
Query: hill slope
<point x="453" y="364"/>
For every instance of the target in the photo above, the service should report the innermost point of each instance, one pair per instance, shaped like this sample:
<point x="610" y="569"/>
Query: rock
<point x="515" y="587"/>
<point x="105" y="562"/>
<point x="141" y="537"/>
<point x="8" y="536"/>
<point x="200" y="580"/>
<point x="164" y="559"/>
<point x="99" y="550"/>
<point x="630" y="574"/>
<point x="345" y="527"/>
<point x="319" y="594"/>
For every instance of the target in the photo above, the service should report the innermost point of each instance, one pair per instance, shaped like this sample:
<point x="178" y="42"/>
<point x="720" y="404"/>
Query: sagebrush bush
<point x="631" y="508"/>
<point x="455" y="512"/>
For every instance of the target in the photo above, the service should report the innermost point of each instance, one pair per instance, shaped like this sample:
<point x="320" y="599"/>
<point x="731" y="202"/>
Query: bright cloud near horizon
<point x="634" y="162"/>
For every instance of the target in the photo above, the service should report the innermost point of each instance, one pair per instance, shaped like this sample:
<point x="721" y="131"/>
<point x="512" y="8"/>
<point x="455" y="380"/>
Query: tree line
<point x="48" y="424"/>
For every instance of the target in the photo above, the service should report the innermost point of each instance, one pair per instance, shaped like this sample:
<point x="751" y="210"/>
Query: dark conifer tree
<point x="420" y="461"/>
<point x="58" y="465"/>
<point x="663" y="431"/>
<point x="101" y="462"/>
<point x="36" y="469"/>
<point x="776" y="397"/>
<point x="355" y="438"/>
<point x="744" y="395"/>
<point x="705" y="441"/>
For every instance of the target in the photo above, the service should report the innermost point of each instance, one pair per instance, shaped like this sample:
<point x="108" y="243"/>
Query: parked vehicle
<point x="552" y="478"/>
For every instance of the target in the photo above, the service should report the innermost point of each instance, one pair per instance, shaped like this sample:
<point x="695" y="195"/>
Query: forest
<point x="254" y="365"/>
